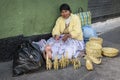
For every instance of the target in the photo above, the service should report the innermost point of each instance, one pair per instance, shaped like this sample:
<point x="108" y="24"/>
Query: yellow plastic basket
<point x="110" y="52"/>
<point x="97" y="40"/>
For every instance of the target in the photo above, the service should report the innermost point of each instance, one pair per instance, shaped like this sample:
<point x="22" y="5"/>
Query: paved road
<point x="108" y="70"/>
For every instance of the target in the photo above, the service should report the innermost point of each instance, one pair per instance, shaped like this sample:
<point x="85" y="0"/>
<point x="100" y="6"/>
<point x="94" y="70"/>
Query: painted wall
<point x="32" y="17"/>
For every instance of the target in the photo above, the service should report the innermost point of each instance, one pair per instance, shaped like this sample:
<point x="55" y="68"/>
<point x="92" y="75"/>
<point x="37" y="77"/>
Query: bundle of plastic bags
<point x="88" y="32"/>
<point x="28" y="58"/>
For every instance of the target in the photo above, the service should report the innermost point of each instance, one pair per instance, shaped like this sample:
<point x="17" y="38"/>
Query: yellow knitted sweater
<point x="74" y="27"/>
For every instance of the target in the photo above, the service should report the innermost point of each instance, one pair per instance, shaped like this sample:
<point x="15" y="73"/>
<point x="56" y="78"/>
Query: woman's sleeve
<point x="56" y="29"/>
<point x="76" y="30"/>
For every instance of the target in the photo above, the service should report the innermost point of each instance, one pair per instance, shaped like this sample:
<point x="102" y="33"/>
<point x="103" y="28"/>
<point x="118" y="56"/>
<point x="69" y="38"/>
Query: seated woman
<point x="67" y="35"/>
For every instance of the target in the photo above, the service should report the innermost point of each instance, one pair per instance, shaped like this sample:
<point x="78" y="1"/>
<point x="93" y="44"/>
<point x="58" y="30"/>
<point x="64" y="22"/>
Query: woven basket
<point x="97" y="40"/>
<point x="93" y="49"/>
<point x="110" y="52"/>
<point x="93" y="45"/>
<point x="94" y="52"/>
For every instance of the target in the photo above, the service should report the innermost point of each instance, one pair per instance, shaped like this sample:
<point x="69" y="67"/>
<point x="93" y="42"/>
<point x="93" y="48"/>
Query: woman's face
<point x="65" y="13"/>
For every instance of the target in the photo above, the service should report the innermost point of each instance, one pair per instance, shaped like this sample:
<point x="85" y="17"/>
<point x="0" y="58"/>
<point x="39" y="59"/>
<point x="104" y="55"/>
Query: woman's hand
<point x="65" y="37"/>
<point x="57" y="37"/>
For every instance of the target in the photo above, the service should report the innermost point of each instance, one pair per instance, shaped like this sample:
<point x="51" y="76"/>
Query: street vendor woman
<point x="67" y="36"/>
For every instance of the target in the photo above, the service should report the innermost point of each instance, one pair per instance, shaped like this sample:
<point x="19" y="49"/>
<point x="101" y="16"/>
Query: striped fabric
<point x="85" y="18"/>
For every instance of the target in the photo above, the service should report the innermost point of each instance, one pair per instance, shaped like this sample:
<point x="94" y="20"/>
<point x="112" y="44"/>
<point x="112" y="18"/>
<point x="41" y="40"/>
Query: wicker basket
<point x="97" y="40"/>
<point x="94" y="52"/>
<point x="93" y="45"/>
<point x="110" y="52"/>
<point x="93" y="49"/>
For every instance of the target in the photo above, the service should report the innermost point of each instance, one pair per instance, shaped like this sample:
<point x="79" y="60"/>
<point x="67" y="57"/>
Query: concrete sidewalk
<point x="108" y="70"/>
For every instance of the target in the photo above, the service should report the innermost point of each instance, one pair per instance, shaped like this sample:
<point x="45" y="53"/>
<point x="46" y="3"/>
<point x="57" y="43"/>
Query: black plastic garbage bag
<point x="28" y="58"/>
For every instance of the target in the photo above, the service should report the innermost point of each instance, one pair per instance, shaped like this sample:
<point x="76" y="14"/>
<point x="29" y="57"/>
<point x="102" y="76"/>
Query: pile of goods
<point x="62" y="63"/>
<point x="94" y="52"/>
